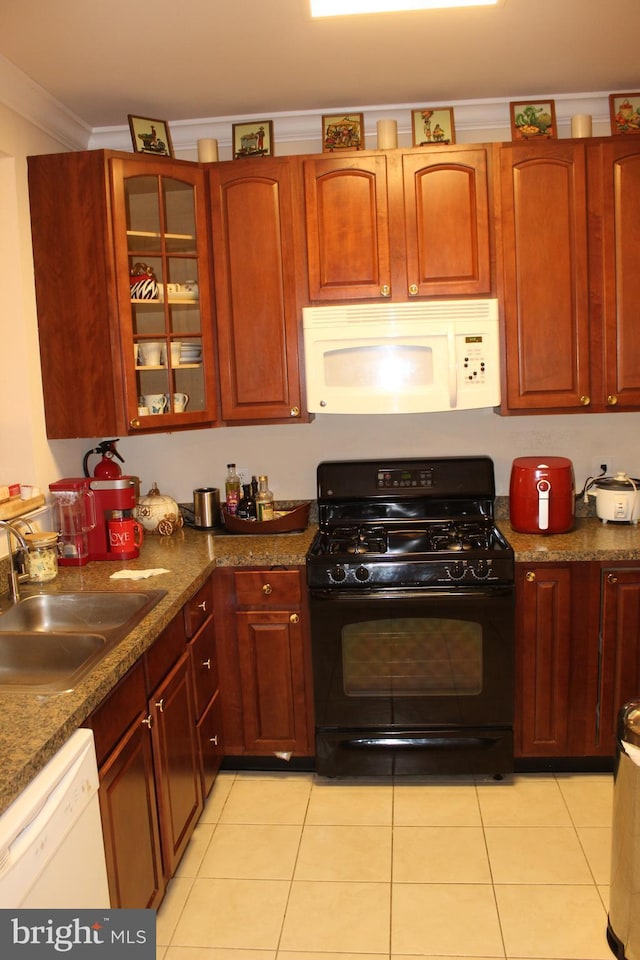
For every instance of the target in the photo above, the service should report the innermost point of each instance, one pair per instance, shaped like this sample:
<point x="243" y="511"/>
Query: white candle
<point x="208" y="150"/>
<point x="387" y="134"/>
<point x="581" y="125"/>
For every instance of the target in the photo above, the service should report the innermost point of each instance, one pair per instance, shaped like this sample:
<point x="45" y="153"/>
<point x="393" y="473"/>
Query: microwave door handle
<point x="453" y="373"/>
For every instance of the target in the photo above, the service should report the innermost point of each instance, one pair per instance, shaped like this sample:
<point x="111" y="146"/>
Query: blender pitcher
<point x="74" y="514"/>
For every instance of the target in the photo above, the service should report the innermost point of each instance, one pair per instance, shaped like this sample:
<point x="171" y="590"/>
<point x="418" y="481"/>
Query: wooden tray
<point x="288" y="522"/>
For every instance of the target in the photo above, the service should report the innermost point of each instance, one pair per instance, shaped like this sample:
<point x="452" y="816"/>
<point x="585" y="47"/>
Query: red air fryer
<point x="542" y="495"/>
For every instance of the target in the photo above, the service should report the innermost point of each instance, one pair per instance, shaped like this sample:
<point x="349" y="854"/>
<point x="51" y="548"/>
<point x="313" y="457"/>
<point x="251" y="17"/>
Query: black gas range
<point x="411" y="595"/>
<point x="407" y="523"/>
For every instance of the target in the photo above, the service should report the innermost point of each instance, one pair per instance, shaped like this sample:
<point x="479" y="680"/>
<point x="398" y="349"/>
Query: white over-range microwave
<point x="417" y="357"/>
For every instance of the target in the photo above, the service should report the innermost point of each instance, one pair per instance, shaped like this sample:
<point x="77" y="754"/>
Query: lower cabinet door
<point x="130" y="822"/>
<point x="211" y="742"/>
<point x="177" y="761"/>
<point x="273" y="681"/>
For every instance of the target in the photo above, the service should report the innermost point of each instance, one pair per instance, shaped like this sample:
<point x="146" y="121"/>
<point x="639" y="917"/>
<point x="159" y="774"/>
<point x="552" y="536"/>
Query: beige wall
<point x="288" y="454"/>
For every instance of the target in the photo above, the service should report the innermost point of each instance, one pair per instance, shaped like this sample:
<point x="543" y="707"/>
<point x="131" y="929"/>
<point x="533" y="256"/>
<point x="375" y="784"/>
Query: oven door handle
<point x="373" y="596"/>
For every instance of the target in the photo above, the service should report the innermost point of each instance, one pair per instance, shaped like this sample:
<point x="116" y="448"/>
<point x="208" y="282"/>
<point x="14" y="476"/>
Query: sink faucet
<point x="15" y="577"/>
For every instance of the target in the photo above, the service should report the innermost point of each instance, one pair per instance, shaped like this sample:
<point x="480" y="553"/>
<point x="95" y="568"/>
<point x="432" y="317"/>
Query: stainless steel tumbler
<point x="206" y="507"/>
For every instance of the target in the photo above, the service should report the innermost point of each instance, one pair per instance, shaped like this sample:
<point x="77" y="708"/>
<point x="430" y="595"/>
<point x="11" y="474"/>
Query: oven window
<point x="387" y="366"/>
<point x="414" y="657"/>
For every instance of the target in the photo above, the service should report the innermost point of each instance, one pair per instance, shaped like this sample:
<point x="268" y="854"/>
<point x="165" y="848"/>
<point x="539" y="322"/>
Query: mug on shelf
<point x="155" y="402"/>
<point x="180" y="401"/>
<point x="150" y="352"/>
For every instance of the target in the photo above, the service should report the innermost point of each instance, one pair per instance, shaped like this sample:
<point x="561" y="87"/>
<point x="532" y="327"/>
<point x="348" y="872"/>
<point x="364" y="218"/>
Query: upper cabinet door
<point x="620" y="171"/>
<point x="447" y="223"/>
<point x="545" y="276"/>
<point x="166" y="323"/>
<point x="254" y="229"/>
<point x="347" y="227"/>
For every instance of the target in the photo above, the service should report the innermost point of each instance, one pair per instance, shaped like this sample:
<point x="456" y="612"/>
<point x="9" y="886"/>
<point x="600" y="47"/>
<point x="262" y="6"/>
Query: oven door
<point x="413" y="681"/>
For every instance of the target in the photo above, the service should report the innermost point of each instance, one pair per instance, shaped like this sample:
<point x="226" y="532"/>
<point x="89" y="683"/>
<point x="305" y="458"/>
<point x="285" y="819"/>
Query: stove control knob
<point x="456" y="570"/>
<point x="481" y="570"/>
<point x="337" y="574"/>
<point x="362" y="574"/>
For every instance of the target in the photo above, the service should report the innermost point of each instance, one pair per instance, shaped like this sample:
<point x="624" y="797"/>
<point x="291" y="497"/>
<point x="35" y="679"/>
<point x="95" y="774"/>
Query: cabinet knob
<point x="203" y="606"/>
<point x="413" y="289"/>
<point x="135" y="423"/>
<point x="214" y="740"/>
<point x="585" y="400"/>
<point x="294" y="412"/>
<point x="530" y="576"/>
<point x="160" y="705"/>
<point x="207" y="663"/>
<point x="612" y="400"/>
<point x="294" y="618"/>
<point x="611" y="578"/>
<point x="267" y="589"/>
<point x="385" y="290"/>
<point x="148" y="721"/>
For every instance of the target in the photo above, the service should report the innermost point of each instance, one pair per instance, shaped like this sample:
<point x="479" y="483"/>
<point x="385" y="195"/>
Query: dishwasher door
<point x="51" y="846"/>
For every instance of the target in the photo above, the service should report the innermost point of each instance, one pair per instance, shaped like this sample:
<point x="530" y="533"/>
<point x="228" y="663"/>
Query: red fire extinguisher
<point x="106" y="469"/>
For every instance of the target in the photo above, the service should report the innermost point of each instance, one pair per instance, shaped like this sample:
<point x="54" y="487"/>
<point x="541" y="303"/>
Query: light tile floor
<point x="294" y="867"/>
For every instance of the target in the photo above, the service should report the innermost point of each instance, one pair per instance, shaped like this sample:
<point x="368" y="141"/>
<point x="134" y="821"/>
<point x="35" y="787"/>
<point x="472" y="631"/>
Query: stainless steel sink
<point x="49" y="642"/>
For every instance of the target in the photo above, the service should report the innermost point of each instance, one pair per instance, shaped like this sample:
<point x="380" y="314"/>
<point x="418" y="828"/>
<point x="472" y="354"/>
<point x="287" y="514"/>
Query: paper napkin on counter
<point x="137" y="574"/>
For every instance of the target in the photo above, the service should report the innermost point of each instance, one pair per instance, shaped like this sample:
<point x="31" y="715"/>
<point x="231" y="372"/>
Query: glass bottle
<point x="264" y="500"/>
<point x="232" y="488"/>
<point x="42" y="558"/>
<point x="247" y="506"/>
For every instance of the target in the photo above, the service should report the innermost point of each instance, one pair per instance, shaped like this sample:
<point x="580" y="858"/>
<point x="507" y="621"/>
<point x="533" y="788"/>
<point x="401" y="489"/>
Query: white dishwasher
<point x="51" y="846"/>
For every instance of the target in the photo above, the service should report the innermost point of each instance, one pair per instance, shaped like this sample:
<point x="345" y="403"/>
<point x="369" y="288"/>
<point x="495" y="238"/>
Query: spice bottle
<point x="232" y="489"/>
<point x="264" y="500"/>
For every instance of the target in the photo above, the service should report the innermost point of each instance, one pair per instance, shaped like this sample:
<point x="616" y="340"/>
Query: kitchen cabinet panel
<point x="544" y="229"/>
<point x="543" y="659"/>
<point x="619" y="679"/>
<point x="94" y="216"/>
<point x="347" y="222"/>
<point x="256" y="235"/>
<point x="264" y="661"/>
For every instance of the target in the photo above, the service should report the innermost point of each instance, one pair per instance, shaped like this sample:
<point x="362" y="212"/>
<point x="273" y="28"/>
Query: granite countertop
<point x="589" y="540"/>
<point x="32" y="728"/>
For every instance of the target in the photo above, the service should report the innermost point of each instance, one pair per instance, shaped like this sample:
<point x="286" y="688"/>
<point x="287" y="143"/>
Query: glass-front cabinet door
<point x="164" y="295"/>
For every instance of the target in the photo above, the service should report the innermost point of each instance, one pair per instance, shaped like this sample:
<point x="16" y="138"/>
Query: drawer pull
<point x="214" y="740"/>
<point x="160" y="705"/>
<point x="611" y="578"/>
<point x="148" y="721"/>
<point x="267" y="589"/>
<point x="294" y="618"/>
<point x="530" y="576"/>
<point x="203" y="606"/>
<point x="207" y="663"/>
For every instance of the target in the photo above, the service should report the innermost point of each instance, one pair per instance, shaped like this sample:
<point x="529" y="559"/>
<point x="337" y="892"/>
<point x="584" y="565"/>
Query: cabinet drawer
<point x="198" y="609"/>
<point x="205" y="666"/>
<point x="268" y="588"/>
<point x="116" y="713"/>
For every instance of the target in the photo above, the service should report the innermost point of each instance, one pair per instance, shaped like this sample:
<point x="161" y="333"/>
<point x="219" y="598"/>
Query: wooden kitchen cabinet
<point x="95" y="215"/>
<point x="570" y="312"/>
<point x="543" y="659"/>
<point x="257" y="228"/>
<point x="577" y="656"/>
<point x="174" y="738"/>
<point x="200" y="630"/>
<point x="127" y="795"/>
<point x="264" y="661"/>
<point x="398" y="224"/>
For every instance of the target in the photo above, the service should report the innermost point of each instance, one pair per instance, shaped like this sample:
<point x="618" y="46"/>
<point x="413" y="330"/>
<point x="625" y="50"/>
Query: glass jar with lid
<point x="42" y="558"/>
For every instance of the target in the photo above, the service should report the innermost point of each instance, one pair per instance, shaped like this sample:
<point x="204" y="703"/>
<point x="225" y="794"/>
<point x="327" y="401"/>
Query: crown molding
<point x="29" y="100"/>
